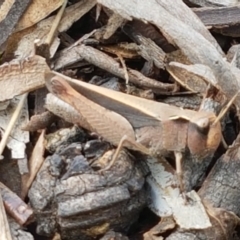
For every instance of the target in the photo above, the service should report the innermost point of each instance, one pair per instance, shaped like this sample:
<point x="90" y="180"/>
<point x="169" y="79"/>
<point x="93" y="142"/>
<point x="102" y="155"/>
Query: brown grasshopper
<point x="150" y="127"/>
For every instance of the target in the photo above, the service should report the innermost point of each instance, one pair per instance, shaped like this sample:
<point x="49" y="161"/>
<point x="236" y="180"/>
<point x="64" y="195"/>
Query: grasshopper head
<point x="204" y="136"/>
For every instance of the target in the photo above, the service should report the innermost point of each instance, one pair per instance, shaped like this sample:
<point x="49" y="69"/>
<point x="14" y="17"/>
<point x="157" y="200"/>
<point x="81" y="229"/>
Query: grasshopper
<point x="148" y="126"/>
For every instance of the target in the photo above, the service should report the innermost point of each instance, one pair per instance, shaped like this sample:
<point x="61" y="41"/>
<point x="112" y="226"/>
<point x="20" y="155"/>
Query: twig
<point x="125" y="72"/>
<point x="55" y="24"/>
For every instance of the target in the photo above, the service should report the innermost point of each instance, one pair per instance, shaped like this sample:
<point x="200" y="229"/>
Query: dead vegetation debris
<point x="119" y="119"/>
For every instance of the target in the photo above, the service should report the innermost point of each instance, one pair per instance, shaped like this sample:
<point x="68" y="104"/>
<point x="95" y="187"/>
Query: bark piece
<point x="151" y="52"/>
<point x="188" y="101"/>
<point x="5" y="8"/>
<point x="18" y="44"/>
<point x="23" y="76"/>
<point x="136" y="29"/>
<point x="65" y="111"/>
<point x="40" y="121"/>
<point x="4" y="105"/>
<point x="166" y="199"/>
<point x="66" y="57"/>
<point x="11" y="18"/>
<point x="114" y="235"/>
<point x="219" y="17"/>
<point x="193" y="77"/>
<point x="233" y="55"/>
<point x="184" y="14"/>
<point x="192" y="44"/>
<point x="32" y="15"/>
<point x="63" y="137"/>
<point x="18" y="232"/>
<point x="214" y="3"/>
<point x="96" y="214"/>
<point x="220" y="194"/>
<point x="39" y="96"/>
<point x="165" y="224"/>
<point x="4" y="226"/>
<point x="107" y="63"/>
<point x="114" y="22"/>
<point x="125" y="50"/>
<point x="224" y="178"/>
<point x="15" y="206"/>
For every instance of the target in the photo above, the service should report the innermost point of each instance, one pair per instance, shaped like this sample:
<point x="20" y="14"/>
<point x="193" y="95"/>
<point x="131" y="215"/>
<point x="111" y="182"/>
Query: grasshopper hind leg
<point x="179" y="173"/>
<point x="125" y="141"/>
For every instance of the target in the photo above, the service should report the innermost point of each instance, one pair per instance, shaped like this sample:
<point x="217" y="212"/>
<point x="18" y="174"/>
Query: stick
<point x="55" y="24"/>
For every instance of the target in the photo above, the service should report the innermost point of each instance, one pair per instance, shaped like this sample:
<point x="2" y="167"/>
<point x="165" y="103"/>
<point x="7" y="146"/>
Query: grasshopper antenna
<point x="223" y="112"/>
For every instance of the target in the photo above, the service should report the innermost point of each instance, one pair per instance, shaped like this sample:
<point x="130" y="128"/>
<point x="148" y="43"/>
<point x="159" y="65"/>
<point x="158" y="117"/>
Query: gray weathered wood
<point x="214" y="3"/>
<point x="191" y="43"/>
<point x="219" y="16"/>
<point x="181" y="12"/>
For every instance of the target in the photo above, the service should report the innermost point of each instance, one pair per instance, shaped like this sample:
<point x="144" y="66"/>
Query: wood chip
<point x="193" y="77"/>
<point x="23" y="76"/>
<point x="215" y="3"/>
<point x="18" y="44"/>
<point x="14" y="10"/>
<point x="166" y="199"/>
<point x="196" y="47"/>
<point x="219" y="17"/>
<point x="33" y="15"/>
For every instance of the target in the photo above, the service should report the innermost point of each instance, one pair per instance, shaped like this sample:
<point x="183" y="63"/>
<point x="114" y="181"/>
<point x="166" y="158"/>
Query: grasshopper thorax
<point x="204" y="136"/>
